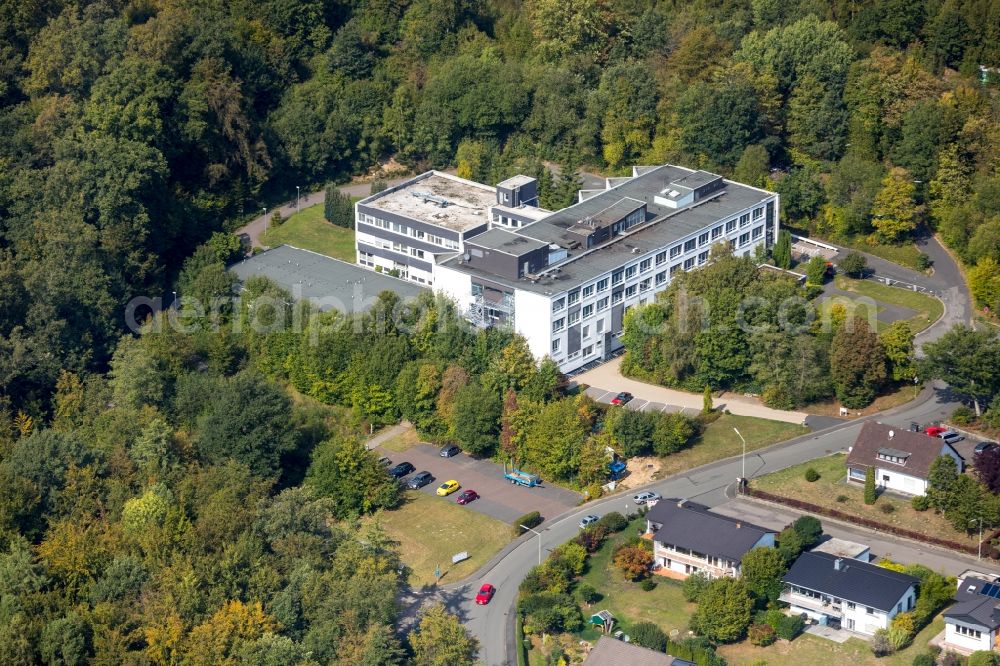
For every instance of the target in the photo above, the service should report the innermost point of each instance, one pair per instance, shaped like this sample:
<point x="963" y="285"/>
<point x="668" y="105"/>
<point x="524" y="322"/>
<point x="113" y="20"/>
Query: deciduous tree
<point x="894" y="211"/>
<point x="440" y="639"/>
<point x="857" y="363"/>
<point x="724" y="611"/>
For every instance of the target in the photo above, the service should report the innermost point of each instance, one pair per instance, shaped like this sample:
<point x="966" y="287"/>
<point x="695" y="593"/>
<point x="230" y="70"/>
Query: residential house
<point x="843" y="548"/>
<point x="973" y="622"/>
<point x="611" y="652"/>
<point x="902" y="459"/>
<point x="689" y="538"/>
<point x="847" y="593"/>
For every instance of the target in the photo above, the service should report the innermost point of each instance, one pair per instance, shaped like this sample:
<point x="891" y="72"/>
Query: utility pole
<point x="265" y="221"/>
<point x="539" y="542"/>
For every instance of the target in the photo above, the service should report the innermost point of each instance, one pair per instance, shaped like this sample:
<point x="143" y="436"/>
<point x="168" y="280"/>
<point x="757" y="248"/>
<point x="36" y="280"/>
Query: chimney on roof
<point x="891" y="433"/>
<point x="838" y="564"/>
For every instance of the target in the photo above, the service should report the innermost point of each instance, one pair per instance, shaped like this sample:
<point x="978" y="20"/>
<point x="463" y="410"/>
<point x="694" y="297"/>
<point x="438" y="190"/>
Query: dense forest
<point x="190" y="495"/>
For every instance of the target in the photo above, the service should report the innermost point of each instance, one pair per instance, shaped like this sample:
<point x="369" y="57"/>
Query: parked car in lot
<point x="448" y="487"/>
<point x="934" y="431"/>
<point x="401" y="470"/>
<point x="985" y="446"/>
<point x="420" y="480"/>
<point x="950" y="437"/>
<point x="449" y="451"/>
<point x="385" y="462"/>
<point x="588" y="520"/>
<point x="646" y="497"/>
<point x="467" y="496"/>
<point x="486" y="593"/>
<point x="622" y="398"/>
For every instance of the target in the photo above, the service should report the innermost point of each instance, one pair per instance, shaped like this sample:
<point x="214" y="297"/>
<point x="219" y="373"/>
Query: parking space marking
<point x="637" y="404"/>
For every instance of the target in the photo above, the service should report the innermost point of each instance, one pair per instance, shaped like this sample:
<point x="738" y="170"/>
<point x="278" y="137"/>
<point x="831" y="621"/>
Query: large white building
<point x="561" y="279"/>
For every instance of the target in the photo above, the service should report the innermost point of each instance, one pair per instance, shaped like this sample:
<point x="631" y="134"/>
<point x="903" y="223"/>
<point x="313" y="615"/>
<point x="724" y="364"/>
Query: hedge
<point x="860" y="520"/>
<point x="533" y="519"/>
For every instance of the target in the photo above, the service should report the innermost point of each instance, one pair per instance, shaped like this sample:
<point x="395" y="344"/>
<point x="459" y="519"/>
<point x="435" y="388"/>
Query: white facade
<point x="851" y="615"/>
<point x="683" y="562"/>
<point x="892" y="479"/>
<point x="966" y="637"/>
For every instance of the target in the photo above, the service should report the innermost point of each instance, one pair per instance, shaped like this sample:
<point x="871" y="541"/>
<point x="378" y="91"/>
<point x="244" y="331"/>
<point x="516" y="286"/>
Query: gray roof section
<point x="860" y="582"/>
<point x="328" y="283"/>
<point x="665" y="226"/>
<point x="611" y="652"/>
<point x="973" y="607"/>
<point x="505" y="241"/>
<point x="695" y="527"/>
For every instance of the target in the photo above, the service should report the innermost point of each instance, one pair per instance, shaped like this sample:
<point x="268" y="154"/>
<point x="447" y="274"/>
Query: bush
<point x="648" y="635"/>
<point x="923" y="660"/>
<point x="812" y="475"/>
<point x="887" y="508"/>
<point x="923" y="261"/>
<point x="612" y="522"/>
<point x="870" y="493"/>
<point x="761" y="635"/>
<point x="842" y="498"/>
<point x="920" y="503"/>
<point x="963" y="416"/>
<point x="809" y="529"/>
<point x="880" y="643"/>
<point x="634" y="562"/>
<point x="693" y="586"/>
<point x="984" y="658"/>
<point x="790" y="627"/>
<point x="898" y="638"/>
<point x="533" y="519"/>
<point x="586" y="593"/>
<point x="854" y="264"/>
<point x="648" y="585"/>
<point x="903" y="622"/>
<point x="591" y="538"/>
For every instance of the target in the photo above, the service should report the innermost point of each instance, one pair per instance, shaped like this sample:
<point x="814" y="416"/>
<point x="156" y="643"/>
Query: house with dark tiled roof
<point x="690" y="538"/>
<point x="973" y="621"/>
<point x="611" y="652"/>
<point x="847" y="593"/>
<point x="902" y="459"/>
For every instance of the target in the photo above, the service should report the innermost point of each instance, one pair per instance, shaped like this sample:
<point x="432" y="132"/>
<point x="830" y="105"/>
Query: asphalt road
<point x="712" y="485"/>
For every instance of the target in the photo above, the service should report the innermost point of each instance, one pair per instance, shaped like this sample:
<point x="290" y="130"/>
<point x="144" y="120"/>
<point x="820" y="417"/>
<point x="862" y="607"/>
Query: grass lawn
<point x="904" y="255"/>
<point x="807" y="649"/>
<point x="791" y="483"/>
<point x="928" y="308"/>
<point x="402" y="442"/>
<point x="664" y="605"/>
<point x="719" y="441"/>
<point x="893" y="397"/>
<point x="308" y="230"/>
<point x="430" y="530"/>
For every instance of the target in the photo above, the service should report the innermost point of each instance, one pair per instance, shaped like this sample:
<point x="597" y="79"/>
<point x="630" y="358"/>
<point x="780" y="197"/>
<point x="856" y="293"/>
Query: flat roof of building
<point x="665" y="226"/>
<point x="515" y="181"/>
<point x="506" y="241"/>
<point x="437" y="198"/>
<point x="841" y="548"/>
<point x="330" y="284"/>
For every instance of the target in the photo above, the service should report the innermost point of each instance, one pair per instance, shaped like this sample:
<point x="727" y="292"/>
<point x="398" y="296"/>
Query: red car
<point x="486" y="593"/>
<point x="467" y="496"/>
<point x="622" y="398"/>
<point x="934" y="431"/>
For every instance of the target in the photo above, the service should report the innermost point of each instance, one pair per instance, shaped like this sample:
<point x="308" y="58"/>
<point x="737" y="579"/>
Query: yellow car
<point x="448" y="487"/>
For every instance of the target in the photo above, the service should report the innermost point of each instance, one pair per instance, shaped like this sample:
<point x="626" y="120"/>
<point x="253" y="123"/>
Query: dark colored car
<point x="401" y="470"/>
<point x="449" y="451"/>
<point x="467" y="496"/>
<point x="622" y="398"/>
<point x="419" y="480"/>
<point x="985" y="446"/>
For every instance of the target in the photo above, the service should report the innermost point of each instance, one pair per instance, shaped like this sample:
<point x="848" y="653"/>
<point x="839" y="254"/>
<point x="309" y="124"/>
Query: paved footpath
<point x="609" y="377"/>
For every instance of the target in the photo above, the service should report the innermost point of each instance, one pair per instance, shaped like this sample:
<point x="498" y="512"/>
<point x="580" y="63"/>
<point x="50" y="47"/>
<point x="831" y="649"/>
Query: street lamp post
<point x="539" y="542"/>
<point x="972" y="523"/>
<point x="173" y="304"/>
<point x="743" y="474"/>
<point x="265" y="221"/>
<point x="296" y="198"/>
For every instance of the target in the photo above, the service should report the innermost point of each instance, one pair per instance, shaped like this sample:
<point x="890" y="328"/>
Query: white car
<point x="646" y="497"/>
<point x="588" y="520"/>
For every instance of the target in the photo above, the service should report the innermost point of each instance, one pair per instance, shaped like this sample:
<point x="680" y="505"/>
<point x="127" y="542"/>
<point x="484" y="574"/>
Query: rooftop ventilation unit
<point x="427" y="197"/>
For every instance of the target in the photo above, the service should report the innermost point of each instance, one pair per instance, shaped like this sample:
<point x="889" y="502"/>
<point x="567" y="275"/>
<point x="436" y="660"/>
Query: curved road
<point x="712" y="484"/>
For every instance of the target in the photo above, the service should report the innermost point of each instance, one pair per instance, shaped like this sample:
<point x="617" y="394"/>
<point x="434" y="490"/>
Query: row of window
<point x="965" y="631"/>
<point x="619" y="276"/>
<point x="584" y="335"/>
<point x="395" y="247"/>
<point x="398" y="228"/>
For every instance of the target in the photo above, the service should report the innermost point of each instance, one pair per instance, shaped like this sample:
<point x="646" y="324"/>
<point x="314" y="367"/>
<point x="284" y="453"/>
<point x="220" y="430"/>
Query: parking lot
<point x="602" y="396"/>
<point x="498" y="497"/>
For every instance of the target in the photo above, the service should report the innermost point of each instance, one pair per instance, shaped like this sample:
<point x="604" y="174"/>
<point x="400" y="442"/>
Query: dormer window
<point x="894" y="456"/>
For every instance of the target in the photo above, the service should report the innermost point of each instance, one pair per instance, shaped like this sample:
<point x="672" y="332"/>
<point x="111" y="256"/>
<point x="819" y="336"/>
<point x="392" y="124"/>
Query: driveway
<point x="606" y="381"/>
<point x="499" y="499"/>
<point x="945" y="282"/>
